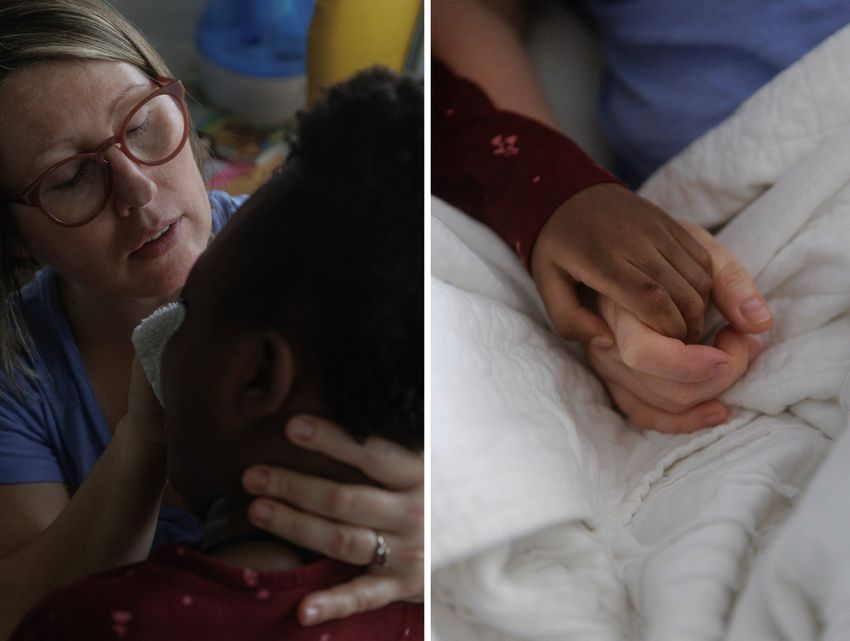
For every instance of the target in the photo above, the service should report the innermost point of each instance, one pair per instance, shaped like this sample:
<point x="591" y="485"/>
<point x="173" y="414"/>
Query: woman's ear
<point x="269" y="376"/>
<point x="15" y="242"/>
<point x="19" y="248"/>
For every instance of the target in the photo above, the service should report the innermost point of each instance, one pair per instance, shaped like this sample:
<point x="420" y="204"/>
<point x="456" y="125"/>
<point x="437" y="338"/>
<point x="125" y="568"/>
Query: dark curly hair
<point x="337" y="253"/>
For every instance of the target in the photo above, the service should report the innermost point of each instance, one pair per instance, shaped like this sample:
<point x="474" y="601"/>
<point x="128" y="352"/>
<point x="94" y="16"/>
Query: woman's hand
<point x="342" y="521"/>
<point x="144" y="412"/>
<point x="661" y="383"/>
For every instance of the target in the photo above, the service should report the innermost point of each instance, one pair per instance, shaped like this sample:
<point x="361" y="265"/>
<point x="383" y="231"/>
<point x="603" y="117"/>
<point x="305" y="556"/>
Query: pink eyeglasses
<point x="74" y="191"/>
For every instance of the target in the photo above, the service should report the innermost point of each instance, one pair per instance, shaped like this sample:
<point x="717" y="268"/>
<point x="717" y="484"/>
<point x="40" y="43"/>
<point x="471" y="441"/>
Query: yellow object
<point x="349" y="35"/>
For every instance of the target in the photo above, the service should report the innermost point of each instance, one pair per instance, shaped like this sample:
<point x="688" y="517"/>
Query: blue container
<point x="256" y="37"/>
<point x="254" y="57"/>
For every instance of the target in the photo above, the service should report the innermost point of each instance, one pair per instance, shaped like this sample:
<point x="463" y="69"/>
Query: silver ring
<point x="382" y="552"/>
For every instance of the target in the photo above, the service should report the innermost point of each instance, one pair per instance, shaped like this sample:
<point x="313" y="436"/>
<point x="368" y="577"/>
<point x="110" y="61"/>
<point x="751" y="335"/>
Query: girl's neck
<point x="230" y="537"/>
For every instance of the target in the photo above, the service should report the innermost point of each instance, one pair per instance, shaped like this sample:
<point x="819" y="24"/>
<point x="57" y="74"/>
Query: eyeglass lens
<point x="74" y="190"/>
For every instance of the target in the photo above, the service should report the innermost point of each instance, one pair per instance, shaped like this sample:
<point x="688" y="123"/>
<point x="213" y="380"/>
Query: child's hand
<point x="615" y="242"/>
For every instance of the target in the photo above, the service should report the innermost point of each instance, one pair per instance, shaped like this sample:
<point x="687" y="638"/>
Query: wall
<point x="170" y="26"/>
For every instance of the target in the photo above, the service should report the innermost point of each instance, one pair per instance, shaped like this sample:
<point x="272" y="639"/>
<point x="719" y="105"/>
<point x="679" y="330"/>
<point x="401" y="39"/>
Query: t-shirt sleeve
<point x="504" y="169"/>
<point x="26" y="455"/>
<point x="222" y="207"/>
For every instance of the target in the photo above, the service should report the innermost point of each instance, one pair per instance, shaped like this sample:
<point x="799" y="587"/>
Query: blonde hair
<point x="38" y="31"/>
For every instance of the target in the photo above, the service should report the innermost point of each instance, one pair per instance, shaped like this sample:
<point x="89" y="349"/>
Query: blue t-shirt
<point x="675" y="69"/>
<point x="59" y="431"/>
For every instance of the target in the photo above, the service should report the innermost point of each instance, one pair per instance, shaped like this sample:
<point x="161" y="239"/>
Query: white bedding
<point x="554" y="519"/>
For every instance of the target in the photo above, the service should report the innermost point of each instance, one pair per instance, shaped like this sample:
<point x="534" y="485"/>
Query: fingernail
<point x="602" y="341"/>
<point x="722" y="369"/>
<point x="301" y="429"/>
<point x="261" y="512"/>
<point x="755" y="311"/>
<point x="255" y="480"/>
<point x="311" y="614"/>
<point x="754" y="348"/>
<point x="716" y="418"/>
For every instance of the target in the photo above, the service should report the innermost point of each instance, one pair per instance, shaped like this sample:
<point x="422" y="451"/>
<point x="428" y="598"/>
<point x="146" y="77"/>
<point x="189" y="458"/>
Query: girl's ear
<point x="268" y="376"/>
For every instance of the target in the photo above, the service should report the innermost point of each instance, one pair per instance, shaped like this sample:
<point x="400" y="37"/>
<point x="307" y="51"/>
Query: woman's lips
<point x="162" y="244"/>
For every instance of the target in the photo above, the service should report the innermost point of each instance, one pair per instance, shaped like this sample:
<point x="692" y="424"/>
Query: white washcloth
<point x="150" y="337"/>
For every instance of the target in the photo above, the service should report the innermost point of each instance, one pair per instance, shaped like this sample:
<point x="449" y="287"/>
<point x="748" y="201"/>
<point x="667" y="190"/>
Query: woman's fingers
<point x="351" y="544"/>
<point x="670" y="395"/>
<point x="646" y="416"/>
<point x="645" y="350"/>
<point x="383" y="461"/>
<point x="366" y="592"/>
<point x="144" y="409"/>
<point x="343" y="521"/>
<point x="571" y="320"/>
<point x="366" y="506"/>
<point x="738" y="299"/>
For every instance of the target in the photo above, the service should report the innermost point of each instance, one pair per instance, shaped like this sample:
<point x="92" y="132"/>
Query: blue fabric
<point x="59" y="432"/>
<point x="675" y="69"/>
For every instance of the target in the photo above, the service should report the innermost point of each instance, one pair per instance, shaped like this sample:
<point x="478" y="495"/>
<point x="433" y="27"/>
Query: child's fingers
<point x="699" y="279"/>
<point x="571" y="320"/>
<point x="687" y="297"/>
<point x="637" y="291"/>
<point x="690" y="241"/>
<point x="735" y="292"/>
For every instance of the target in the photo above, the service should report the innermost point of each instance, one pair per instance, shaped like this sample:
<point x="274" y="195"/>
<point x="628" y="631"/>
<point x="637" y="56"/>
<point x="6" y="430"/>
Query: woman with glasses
<point x="101" y="189"/>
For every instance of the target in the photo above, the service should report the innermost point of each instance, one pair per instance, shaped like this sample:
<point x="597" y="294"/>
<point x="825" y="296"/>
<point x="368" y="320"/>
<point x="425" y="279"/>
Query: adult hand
<point x="627" y="249"/>
<point x="144" y="412"/>
<point x="342" y="521"/>
<point x="664" y="384"/>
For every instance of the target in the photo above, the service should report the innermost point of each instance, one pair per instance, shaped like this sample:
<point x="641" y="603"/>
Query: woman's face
<point x="54" y="110"/>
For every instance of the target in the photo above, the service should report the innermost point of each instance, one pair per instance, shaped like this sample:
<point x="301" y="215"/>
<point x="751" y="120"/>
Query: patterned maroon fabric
<point x="181" y="594"/>
<point x="506" y="170"/>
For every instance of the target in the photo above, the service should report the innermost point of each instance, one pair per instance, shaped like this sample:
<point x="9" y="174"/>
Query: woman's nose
<point x="132" y="188"/>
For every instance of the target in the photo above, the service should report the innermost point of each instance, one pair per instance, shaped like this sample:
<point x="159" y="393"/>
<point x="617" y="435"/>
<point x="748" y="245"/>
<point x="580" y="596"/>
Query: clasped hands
<point x="652" y="279"/>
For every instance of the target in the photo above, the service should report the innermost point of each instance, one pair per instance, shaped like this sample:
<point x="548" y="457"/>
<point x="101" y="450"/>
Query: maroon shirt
<point x="182" y="594"/>
<point x="504" y="169"/>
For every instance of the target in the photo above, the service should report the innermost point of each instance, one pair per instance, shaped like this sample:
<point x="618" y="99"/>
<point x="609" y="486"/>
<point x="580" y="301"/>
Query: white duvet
<point x="552" y="518"/>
